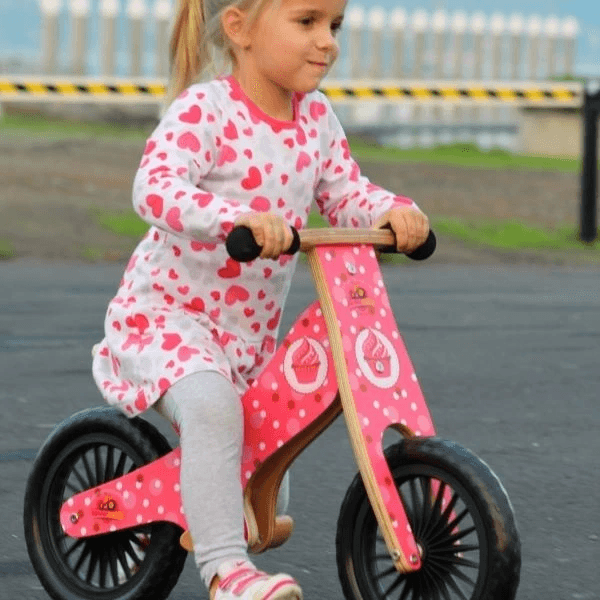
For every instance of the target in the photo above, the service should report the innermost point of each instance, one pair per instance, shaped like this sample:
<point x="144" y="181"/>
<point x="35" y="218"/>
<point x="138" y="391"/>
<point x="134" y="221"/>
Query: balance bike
<point x="424" y="519"/>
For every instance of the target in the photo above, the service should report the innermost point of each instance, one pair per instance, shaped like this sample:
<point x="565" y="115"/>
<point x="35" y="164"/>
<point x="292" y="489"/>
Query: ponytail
<point x="188" y="48"/>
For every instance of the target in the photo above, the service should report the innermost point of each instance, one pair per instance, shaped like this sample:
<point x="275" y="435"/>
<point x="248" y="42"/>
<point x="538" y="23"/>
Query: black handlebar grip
<point x="426" y="249"/>
<point x="242" y="246"/>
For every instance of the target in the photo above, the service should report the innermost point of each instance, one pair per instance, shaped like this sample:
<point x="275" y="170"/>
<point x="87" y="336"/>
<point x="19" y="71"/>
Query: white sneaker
<point x="245" y="582"/>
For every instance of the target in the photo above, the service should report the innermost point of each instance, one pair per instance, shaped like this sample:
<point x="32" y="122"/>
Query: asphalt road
<point x="508" y="358"/>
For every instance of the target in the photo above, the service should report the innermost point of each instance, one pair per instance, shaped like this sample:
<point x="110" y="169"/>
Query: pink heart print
<point x="173" y="219"/>
<point x="253" y="180"/>
<point x="230" y="131"/>
<point x="226" y="154"/>
<point x="150" y="145"/>
<point x="188" y="141"/>
<point x="260" y="204"/>
<point x="236" y="293"/>
<point x="302" y="162"/>
<point x="192" y="116"/>
<point x="317" y="109"/>
<point x="155" y="202"/>
<point x="171" y="341"/>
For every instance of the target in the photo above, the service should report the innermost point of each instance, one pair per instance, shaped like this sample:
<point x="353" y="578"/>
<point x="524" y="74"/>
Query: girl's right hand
<point x="270" y="231"/>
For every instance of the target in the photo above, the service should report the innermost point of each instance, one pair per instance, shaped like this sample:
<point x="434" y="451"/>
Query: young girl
<point x="189" y="328"/>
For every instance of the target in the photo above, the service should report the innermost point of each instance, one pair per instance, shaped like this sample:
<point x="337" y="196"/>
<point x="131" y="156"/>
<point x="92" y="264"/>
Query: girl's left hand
<point x="409" y="224"/>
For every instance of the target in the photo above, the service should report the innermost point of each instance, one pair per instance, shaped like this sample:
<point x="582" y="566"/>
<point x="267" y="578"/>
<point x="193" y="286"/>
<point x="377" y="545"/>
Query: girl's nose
<point x="326" y="41"/>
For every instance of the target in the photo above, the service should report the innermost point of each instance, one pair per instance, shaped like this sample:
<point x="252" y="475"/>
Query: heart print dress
<point x="183" y="305"/>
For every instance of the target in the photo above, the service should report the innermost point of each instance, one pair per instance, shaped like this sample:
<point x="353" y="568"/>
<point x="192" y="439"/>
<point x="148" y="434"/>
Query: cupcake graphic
<point x="376" y="356"/>
<point x="305" y="363"/>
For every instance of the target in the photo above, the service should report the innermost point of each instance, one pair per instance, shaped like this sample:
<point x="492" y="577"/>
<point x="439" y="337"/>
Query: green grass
<point x="126" y="223"/>
<point x="507" y="235"/>
<point x="7" y="250"/>
<point x="40" y="125"/>
<point x="511" y="235"/>
<point x="462" y="155"/>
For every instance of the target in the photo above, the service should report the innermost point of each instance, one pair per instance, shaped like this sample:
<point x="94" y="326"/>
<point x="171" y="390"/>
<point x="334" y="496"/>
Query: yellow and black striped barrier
<point x="517" y="93"/>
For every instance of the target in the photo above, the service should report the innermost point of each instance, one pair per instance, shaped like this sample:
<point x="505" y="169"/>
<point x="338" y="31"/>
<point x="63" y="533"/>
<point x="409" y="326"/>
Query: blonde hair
<point x="199" y="46"/>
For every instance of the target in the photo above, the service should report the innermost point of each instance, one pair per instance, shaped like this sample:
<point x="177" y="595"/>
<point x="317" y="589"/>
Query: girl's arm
<point x="167" y="189"/>
<point x="344" y="196"/>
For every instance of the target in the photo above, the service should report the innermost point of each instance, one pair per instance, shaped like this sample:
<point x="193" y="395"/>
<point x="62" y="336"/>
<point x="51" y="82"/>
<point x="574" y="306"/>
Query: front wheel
<point x="461" y="518"/>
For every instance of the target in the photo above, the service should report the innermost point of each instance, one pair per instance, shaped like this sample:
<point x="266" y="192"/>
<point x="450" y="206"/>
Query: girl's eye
<point x="306" y="21"/>
<point x="336" y="27"/>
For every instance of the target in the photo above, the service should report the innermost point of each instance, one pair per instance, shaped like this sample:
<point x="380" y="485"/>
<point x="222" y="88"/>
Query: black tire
<point x="91" y="447"/>
<point x="471" y="548"/>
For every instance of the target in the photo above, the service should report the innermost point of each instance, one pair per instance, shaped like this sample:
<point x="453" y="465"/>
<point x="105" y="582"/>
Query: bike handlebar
<point x="242" y="246"/>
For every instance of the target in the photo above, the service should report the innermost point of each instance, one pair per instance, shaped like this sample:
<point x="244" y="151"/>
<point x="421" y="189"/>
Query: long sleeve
<point x="344" y="196"/>
<point x="167" y="189"/>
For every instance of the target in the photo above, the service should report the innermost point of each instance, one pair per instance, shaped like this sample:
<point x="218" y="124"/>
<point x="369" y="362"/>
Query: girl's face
<point x="293" y="45"/>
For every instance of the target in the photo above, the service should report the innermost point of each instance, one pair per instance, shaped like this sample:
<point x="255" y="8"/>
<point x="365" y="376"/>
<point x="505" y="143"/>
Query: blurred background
<point x="503" y="175"/>
<point x="530" y="40"/>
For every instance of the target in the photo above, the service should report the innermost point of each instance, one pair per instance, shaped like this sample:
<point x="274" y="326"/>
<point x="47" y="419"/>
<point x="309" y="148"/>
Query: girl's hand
<point x="270" y="231"/>
<point x="410" y="226"/>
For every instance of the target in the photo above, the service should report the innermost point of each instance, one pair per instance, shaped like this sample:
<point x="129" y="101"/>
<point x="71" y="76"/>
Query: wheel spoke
<point x="84" y="554"/>
<point x="110" y="463"/>
<point x="74" y="547"/>
<point x="120" y="465"/>
<point x="448" y="510"/>
<point x="426" y="489"/>
<point x="88" y="471"/>
<point x="103" y="567"/>
<point x="408" y="588"/>
<point x="415" y="523"/>
<point x="123" y="561"/>
<point x="73" y="488"/>
<point x="458" y="573"/>
<point x="455" y="588"/>
<point x="435" y="513"/>
<point x="444" y="590"/>
<point x="98" y="464"/>
<point x="92" y="566"/>
<point x="461" y="534"/>
<point x="456" y="548"/>
<point x="397" y="581"/>
<point x="85" y="485"/>
<point x="114" y="569"/>
<point x="128" y="548"/>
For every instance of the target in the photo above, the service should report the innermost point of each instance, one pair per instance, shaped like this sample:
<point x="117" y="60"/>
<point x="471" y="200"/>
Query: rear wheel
<point x="462" y="520"/>
<point x="92" y="447"/>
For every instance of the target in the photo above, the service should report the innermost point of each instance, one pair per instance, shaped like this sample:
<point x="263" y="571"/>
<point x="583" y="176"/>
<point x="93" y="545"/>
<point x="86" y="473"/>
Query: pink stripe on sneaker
<point x="279" y="586"/>
<point x="235" y="574"/>
<point x="242" y="585"/>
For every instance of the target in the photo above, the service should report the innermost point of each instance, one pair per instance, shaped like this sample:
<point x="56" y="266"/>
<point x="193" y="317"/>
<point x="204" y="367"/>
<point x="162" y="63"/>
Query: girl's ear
<point x="233" y="21"/>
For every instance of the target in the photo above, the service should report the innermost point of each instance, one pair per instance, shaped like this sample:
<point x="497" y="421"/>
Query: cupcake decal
<point x="305" y="365"/>
<point x="377" y="358"/>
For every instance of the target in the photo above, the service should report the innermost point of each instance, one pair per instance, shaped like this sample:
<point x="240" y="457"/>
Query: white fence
<point x="374" y="45"/>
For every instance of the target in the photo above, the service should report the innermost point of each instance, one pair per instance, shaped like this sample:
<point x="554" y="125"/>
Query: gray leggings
<point x="207" y="410"/>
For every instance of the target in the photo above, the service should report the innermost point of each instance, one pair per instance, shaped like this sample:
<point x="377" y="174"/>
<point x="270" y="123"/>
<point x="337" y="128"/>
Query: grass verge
<point x="7" y="250"/>
<point x="504" y="235"/>
<point x="34" y="124"/>
<point x="126" y="223"/>
<point x="459" y="155"/>
<point x="463" y="156"/>
<point x="512" y="235"/>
